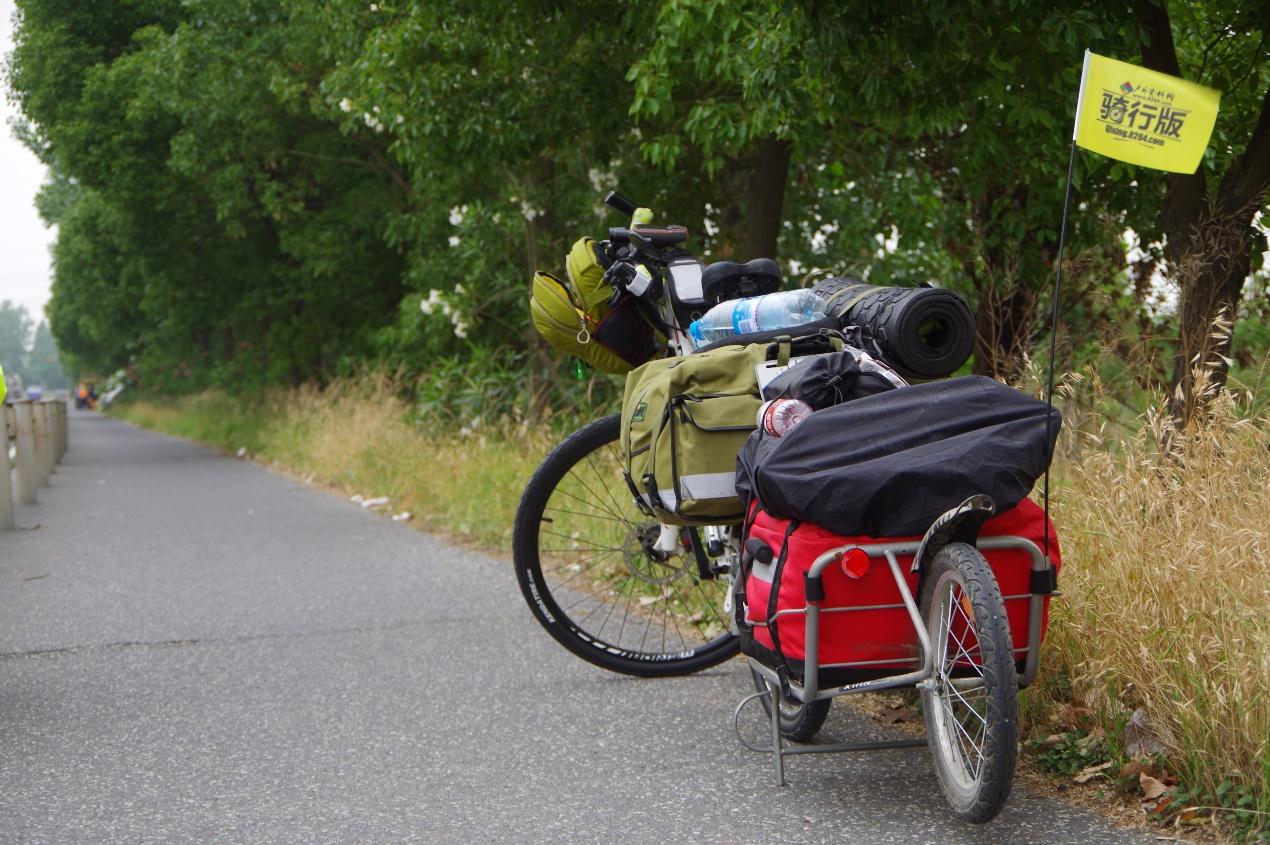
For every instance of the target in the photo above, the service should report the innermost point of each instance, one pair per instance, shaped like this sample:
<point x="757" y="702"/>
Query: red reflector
<point x="855" y="563"/>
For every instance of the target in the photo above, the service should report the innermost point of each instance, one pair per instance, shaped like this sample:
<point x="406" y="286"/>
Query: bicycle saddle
<point x="725" y="280"/>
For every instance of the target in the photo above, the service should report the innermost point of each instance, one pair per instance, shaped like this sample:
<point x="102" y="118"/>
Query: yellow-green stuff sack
<point x="586" y="318"/>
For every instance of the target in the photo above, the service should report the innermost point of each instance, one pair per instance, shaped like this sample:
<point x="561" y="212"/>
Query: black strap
<point x="778" y="572"/>
<point x="813" y="588"/>
<point x="1043" y="582"/>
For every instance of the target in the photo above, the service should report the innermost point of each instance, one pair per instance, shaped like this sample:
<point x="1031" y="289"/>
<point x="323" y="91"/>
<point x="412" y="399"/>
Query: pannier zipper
<point x="584" y="332"/>
<point x="682" y="399"/>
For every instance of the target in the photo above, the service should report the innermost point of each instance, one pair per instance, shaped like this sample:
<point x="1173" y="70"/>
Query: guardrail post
<point x="63" y="415"/>
<point x="24" y="418"/>
<point x="39" y="413"/>
<point x="55" y="431"/>
<point x="50" y="425"/>
<point x="59" y="430"/>
<point x="7" y="430"/>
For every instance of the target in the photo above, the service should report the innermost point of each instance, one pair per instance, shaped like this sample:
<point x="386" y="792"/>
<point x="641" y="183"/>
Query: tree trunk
<point x="766" y="199"/>
<point x="1004" y="323"/>
<point x="1210" y="237"/>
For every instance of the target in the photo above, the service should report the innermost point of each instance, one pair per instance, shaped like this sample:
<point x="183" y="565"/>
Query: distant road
<point x="195" y="649"/>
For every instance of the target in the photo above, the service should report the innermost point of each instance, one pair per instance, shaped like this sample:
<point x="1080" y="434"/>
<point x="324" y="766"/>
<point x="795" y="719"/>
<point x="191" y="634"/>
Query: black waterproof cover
<point x="887" y="465"/>
<point x="826" y="380"/>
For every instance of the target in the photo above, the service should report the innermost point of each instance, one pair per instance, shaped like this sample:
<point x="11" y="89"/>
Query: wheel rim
<point x="601" y="578"/>
<point x="959" y="699"/>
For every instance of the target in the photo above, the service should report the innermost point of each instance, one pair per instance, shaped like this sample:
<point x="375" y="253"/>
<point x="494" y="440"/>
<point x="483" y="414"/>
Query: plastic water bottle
<point x="757" y="314"/>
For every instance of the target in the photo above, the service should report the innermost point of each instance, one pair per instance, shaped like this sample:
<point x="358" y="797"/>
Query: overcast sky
<point x="24" y="240"/>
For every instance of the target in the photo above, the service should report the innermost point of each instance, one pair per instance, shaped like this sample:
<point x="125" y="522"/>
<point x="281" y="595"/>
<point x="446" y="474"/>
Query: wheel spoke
<point x="595" y="500"/>
<point x="582" y="551"/>
<point x="963" y="736"/>
<point x="586" y="515"/>
<point x="966" y="703"/>
<point x="603" y="485"/>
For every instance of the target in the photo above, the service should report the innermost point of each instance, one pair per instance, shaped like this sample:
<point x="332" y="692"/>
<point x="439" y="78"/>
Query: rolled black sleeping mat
<point x="923" y="332"/>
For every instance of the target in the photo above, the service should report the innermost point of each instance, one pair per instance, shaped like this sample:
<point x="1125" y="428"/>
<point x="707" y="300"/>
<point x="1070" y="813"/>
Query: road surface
<point x="196" y="649"/>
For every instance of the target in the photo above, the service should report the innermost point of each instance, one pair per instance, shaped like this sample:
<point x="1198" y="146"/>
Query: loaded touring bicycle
<point x="883" y="541"/>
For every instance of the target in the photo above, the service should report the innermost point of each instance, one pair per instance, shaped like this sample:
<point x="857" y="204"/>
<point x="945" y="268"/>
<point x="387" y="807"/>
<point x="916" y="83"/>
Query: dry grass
<point x="1166" y="602"/>
<point x="357" y="436"/>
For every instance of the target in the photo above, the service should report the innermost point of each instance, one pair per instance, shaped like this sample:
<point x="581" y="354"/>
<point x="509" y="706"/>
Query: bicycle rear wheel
<point x="584" y="559"/>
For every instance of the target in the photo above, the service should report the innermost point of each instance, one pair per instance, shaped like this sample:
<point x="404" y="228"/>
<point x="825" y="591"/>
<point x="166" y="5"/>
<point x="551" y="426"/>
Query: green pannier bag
<point x="583" y="316"/>
<point x="683" y="422"/>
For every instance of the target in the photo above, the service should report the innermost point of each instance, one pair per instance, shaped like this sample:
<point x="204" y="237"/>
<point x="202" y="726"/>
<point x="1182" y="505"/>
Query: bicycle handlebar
<point x="621" y="203"/>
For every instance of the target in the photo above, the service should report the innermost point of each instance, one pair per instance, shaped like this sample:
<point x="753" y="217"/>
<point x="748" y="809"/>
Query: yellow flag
<point x="1143" y="117"/>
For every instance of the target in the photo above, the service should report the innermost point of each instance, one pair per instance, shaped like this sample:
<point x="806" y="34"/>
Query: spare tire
<point x="923" y="332"/>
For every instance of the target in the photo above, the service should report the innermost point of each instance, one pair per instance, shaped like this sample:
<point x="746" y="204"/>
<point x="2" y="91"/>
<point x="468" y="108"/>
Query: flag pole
<point x="1058" y="281"/>
<point x="1049" y="383"/>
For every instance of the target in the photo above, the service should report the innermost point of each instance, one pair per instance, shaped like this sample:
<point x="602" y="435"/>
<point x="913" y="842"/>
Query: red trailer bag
<point x="865" y="630"/>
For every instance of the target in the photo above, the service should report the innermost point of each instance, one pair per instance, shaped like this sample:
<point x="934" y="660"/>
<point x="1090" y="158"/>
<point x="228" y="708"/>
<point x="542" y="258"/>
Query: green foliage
<point x="1071" y="752"/>
<point x="15" y="336"/>
<point x="27" y="350"/>
<point x="251" y="192"/>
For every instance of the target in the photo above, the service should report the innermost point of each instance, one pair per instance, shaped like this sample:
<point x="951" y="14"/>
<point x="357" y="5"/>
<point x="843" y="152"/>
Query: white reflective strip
<point x="709" y="485"/>
<point x="706" y="486"/>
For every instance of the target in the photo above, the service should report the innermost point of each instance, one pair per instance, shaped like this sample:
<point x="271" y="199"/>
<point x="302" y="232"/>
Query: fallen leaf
<point x="1193" y="816"/>
<point x="1134" y="768"/>
<point x="1096" y="735"/>
<point x="1090" y="772"/>
<point x="1151" y="788"/>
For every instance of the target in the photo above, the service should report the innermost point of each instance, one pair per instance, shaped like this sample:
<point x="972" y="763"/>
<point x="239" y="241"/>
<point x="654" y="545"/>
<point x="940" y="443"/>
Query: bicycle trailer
<point x="865" y="631"/>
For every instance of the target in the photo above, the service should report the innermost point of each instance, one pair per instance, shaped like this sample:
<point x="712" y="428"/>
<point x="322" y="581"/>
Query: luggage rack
<point x="809" y="690"/>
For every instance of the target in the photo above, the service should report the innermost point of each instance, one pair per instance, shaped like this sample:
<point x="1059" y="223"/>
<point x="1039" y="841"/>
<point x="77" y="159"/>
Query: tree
<point x="43" y="366"/>
<point x="1207" y="216"/>
<point x="15" y="335"/>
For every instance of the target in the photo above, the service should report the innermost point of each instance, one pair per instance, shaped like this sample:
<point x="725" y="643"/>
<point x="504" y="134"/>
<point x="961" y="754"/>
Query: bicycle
<point x="631" y="595"/>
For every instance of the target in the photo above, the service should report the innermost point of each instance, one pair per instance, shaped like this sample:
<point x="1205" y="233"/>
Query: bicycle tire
<point x="591" y="582"/>
<point x="971" y="705"/>
<point x="800" y="721"/>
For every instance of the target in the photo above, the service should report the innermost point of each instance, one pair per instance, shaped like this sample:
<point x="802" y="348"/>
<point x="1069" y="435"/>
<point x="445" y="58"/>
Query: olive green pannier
<point x="683" y="422"/>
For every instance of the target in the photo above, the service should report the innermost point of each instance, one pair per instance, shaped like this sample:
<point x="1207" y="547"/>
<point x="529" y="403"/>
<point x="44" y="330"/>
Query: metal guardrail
<point x="39" y="431"/>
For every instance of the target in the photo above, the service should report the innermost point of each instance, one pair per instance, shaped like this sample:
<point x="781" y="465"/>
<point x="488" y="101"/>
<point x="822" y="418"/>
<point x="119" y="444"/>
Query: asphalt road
<point x="196" y="649"/>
